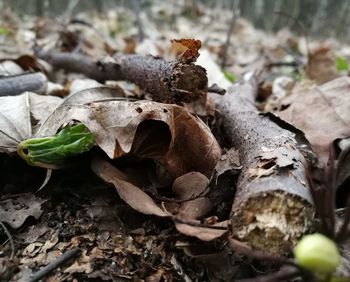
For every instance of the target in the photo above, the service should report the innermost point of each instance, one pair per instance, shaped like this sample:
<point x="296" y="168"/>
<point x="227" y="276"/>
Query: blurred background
<point x="320" y="18"/>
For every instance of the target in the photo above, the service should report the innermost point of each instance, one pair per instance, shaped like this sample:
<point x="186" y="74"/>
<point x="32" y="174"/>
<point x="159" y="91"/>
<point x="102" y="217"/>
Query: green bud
<point x="317" y="253"/>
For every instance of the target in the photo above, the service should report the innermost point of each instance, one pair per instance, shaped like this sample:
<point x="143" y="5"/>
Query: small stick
<point x="17" y="84"/>
<point x="235" y="13"/>
<point x="283" y="64"/>
<point x="8" y="234"/>
<point x="54" y="264"/>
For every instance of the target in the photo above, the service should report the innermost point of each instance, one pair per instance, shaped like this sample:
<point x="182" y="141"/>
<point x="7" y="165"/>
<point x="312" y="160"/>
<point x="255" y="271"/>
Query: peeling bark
<point x="272" y="207"/>
<point x="169" y="82"/>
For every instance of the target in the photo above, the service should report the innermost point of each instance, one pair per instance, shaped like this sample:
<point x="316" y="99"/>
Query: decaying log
<point x="272" y="206"/>
<point x="169" y="82"/>
<point x="19" y="83"/>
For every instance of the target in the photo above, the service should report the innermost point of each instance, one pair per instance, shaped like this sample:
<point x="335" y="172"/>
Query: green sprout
<point x="52" y="152"/>
<point x="317" y="254"/>
<point x="4" y="31"/>
<point x="229" y="76"/>
<point x="341" y="64"/>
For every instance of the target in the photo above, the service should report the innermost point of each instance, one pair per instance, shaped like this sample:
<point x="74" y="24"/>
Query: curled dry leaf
<point x="21" y="116"/>
<point x="321" y="112"/>
<point x="190" y="54"/>
<point x="168" y="134"/>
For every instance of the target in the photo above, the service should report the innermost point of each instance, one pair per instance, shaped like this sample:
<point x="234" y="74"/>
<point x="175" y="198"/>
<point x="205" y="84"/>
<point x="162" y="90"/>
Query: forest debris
<point x="321" y="112"/>
<point x="15" y="209"/>
<point x="82" y="264"/>
<point x="274" y="200"/>
<point x="17" y="84"/>
<point x="169" y="82"/>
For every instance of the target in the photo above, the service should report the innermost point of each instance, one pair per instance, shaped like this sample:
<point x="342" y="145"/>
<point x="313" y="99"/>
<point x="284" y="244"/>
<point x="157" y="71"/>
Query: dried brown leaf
<point x="192" y="46"/>
<point x="131" y="194"/>
<point x="195" y="209"/>
<point x="322" y="113"/>
<point x="321" y="65"/>
<point x="15" y="209"/>
<point x="202" y="233"/>
<point x="190" y="185"/>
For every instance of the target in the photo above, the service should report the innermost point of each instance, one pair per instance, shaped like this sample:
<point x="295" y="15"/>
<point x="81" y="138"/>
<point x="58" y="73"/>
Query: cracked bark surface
<point x="167" y="82"/>
<point x="272" y="208"/>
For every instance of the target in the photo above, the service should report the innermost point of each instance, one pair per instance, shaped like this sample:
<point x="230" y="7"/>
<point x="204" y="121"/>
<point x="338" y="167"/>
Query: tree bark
<point x="168" y="82"/>
<point x="272" y="208"/>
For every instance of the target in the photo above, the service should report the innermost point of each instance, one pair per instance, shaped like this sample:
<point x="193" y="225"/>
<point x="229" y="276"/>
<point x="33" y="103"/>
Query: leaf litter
<point x="161" y="159"/>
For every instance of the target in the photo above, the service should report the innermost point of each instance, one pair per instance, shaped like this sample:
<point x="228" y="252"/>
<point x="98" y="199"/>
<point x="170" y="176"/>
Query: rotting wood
<point x="17" y="84"/>
<point x="168" y="82"/>
<point x="272" y="206"/>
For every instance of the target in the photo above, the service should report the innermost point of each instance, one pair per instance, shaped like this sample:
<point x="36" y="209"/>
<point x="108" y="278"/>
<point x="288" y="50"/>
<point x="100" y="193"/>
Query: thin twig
<point x="283" y="64"/>
<point x="235" y="14"/>
<point x="8" y="234"/>
<point x="54" y="264"/>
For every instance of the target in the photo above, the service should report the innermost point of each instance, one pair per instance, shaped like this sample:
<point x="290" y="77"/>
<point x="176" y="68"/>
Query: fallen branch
<point x="272" y="206"/>
<point x="169" y="82"/>
<point x="17" y="84"/>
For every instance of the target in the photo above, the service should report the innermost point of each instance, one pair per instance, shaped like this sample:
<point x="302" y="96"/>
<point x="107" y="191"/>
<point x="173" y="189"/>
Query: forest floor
<point x="156" y="204"/>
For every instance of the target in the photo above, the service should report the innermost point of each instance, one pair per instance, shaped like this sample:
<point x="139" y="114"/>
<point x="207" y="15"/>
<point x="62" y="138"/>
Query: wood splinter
<point x="273" y="207"/>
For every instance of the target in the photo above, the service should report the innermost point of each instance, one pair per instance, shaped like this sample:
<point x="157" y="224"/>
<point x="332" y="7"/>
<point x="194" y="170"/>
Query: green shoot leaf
<point x="52" y="152"/>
